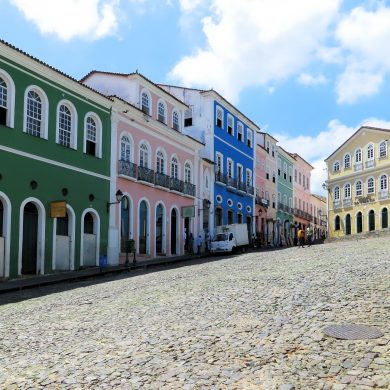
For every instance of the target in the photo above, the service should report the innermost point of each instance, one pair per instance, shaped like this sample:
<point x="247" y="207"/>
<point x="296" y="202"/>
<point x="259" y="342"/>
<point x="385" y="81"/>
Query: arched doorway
<point x="384" y="218"/>
<point x="218" y="216"/>
<point x="159" y="229"/>
<point x="2" y="240"/>
<point x="359" y="222"/>
<point x="173" y="232"/>
<point x="371" y="220"/>
<point x="230" y="219"/>
<point x="143" y="227"/>
<point x="125" y="222"/>
<point x="63" y="240"/>
<point x="30" y="239"/>
<point x="348" y="224"/>
<point x="89" y="240"/>
<point x="249" y="226"/>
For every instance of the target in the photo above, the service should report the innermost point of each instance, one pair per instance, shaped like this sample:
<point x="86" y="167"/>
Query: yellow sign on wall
<point x="58" y="209"/>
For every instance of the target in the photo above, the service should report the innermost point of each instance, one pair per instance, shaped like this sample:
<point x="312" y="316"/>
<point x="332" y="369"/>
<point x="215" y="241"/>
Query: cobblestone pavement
<point x="253" y="321"/>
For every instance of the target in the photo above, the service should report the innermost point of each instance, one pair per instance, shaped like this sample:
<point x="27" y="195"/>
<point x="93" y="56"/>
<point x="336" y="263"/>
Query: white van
<point x="229" y="238"/>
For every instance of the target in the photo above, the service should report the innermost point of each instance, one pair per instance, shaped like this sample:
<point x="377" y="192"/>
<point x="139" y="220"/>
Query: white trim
<point x="148" y="223"/>
<point x="129" y="135"/>
<point x="150" y="151"/>
<point x="164" y="228"/>
<point x="7" y="212"/>
<point x="174" y="155"/>
<point x="164" y="104"/>
<point x="96" y="231"/>
<point x="165" y="156"/>
<point x="150" y="101"/>
<point x="99" y="133"/>
<point x="179" y="232"/>
<point x="233" y="147"/>
<point x="74" y="123"/>
<point x="10" y="120"/>
<point x="131" y="219"/>
<point x="40" y="234"/>
<point x="179" y="119"/>
<point x="52" y="162"/>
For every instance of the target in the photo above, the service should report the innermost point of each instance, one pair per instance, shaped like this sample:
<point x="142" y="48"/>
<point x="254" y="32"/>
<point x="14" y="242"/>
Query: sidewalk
<point x="44" y="280"/>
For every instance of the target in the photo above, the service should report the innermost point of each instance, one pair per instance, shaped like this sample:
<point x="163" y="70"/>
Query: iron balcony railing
<point x="220" y="177"/>
<point x="189" y="189"/>
<point x="231" y="182"/>
<point x="337" y="204"/>
<point x="261" y="201"/>
<point x="250" y="190"/>
<point x="127" y="168"/>
<point x="176" y="185"/>
<point x="145" y="174"/>
<point x="162" y="180"/>
<point x="241" y="186"/>
<point x="347" y="202"/>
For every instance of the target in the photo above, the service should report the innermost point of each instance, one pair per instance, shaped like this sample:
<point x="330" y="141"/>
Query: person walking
<point x="191" y="244"/>
<point x="301" y="238"/>
<point x="199" y="244"/>
<point x="207" y="241"/>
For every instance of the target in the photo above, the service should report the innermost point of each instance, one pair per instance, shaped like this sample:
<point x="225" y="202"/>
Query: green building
<point x="285" y="211"/>
<point x="55" y="147"/>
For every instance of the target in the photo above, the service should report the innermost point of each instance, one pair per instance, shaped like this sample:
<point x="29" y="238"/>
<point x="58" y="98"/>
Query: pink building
<point x="265" y="170"/>
<point x="155" y="166"/>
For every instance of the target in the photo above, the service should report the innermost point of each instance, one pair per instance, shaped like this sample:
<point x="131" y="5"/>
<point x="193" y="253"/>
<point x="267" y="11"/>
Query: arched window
<point x="358" y="188"/>
<point x="187" y="173"/>
<point x="370" y="152"/>
<point x="7" y="99"/>
<point x="383" y="149"/>
<point x="144" y="155"/>
<point x="175" y="121"/>
<point x="337" y="193"/>
<point x="160" y="162"/>
<point x="347" y="161"/>
<point x="337" y="223"/>
<point x="91" y="136"/>
<point x="3" y="102"/>
<point x="336" y="166"/>
<point x="33" y="114"/>
<point x="161" y="113"/>
<point x="358" y="156"/>
<point x="219" y="117"/>
<point x="370" y="186"/>
<point x="383" y="182"/>
<point x="347" y="191"/>
<point x="65" y="126"/>
<point x="230" y="125"/>
<point x="126" y="149"/>
<point x="145" y="103"/>
<point x="174" y="168"/>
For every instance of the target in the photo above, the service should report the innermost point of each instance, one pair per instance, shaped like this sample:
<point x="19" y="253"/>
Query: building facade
<point x="156" y="167"/>
<point x="319" y="220"/>
<point x="358" y="195"/>
<point x="55" y="139"/>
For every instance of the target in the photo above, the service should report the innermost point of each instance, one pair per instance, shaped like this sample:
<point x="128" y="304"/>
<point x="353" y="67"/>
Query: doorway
<point x="359" y="222"/>
<point x="173" y="232"/>
<point x="143" y="227"/>
<point x="371" y="220"/>
<point x="159" y="229"/>
<point x="30" y="239"/>
<point x="62" y="258"/>
<point x="348" y="224"/>
<point x="89" y="241"/>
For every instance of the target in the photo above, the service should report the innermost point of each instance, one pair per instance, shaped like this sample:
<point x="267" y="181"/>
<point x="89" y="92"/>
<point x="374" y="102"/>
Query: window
<point x="230" y="125"/>
<point x="175" y="121"/>
<point x="33" y="114"/>
<point x="273" y="150"/>
<point x="188" y="117"/>
<point x="267" y="173"/>
<point x="370" y="185"/>
<point x="273" y="177"/>
<point x="3" y="102"/>
<point x="285" y="170"/>
<point x="358" y="156"/>
<point x="347" y="191"/>
<point x="383" y="182"/>
<point x="337" y="223"/>
<point x="219" y="117"/>
<point x="290" y="170"/>
<point x="7" y="99"/>
<point x="347" y="161"/>
<point x="90" y="144"/>
<point x="174" y="167"/>
<point x="383" y="149"/>
<point x="300" y="178"/>
<point x="248" y="177"/>
<point x="160" y="162"/>
<point x="144" y="155"/>
<point x="307" y="183"/>
<point x="126" y="149"/>
<point x="285" y="199"/>
<point x="303" y="180"/>
<point x="239" y="173"/>
<point x="370" y="152"/>
<point x="295" y="175"/>
<point x="66" y="126"/>
<point x="336" y="166"/>
<point x="145" y="103"/>
<point x="267" y="146"/>
<point x="279" y="166"/>
<point x="230" y="168"/>
<point x="187" y="173"/>
<point x="358" y="188"/>
<point x="161" y="115"/>
<point x="240" y="132"/>
<point x="249" y="135"/>
<point x="337" y="193"/>
<point x="219" y="162"/>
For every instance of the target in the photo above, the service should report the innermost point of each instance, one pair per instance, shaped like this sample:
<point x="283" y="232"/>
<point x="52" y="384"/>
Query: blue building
<point x="229" y="138"/>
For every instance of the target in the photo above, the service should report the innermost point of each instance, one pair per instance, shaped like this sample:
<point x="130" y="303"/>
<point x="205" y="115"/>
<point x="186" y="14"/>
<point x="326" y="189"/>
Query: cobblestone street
<point x="253" y="321"/>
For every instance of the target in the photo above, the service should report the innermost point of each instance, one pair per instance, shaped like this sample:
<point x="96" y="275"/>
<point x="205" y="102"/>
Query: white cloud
<point x="190" y="5"/>
<point x="67" y="19"/>
<point x="255" y="42"/>
<point x="363" y="36"/>
<point x="310" y="80"/>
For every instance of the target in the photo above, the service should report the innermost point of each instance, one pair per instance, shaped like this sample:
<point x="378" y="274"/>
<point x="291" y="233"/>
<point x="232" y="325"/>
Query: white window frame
<point x="370" y="189"/>
<point x="240" y="131"/>
<point x="336" y="166"/>
<point x="383" y="182"/>
<point x="98" y="135"/>
<point x="219" y="157"/>
<point x="336" y="193"/>
<point x="149" y="154"/>
<point x="248" y="174"/>
<point x="358" y="191"/>
<point x="161" y="155"/>
<point x="160" y="118"/>
<point x="174" y="167"/>
<point x="178" y="120"/>
<point x="347" y="161"/>
<point x="230" y="118"/>
<point x="188" y="172"/>
<point x="383" y="149"/>
<point x="129" y="146"/>
<point x="9" y="82"/>
<point x="219" y="110"/>
<point x="370" y="155"/>
<point x="240" y="178"/>
<point x="73" y="134"/>
<point x="347" y="191"/>
<point x="147" y="93"/>
<point x="249" y="138"/>
<point x="229" y="168"/>
<point x="358" y="156"/>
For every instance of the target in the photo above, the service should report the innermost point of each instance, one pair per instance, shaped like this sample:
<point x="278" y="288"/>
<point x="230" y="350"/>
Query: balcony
<point x="231" y="182"/>
<point x="189" y="189"/>
<point x="370" y="163"/>
<point x="337" y="204"/>
<point x="383" y="194"/>
<point x="127" y="168"/>
<point x="358" y="167"/>
<point x="347" y="202"/>
<point x="176" y="185"/>
<point x="161" y="180"/>
<point x="261" y="201"/>
<point x="145" y="174"/>
<point x="241" y="186"/>
<point x="250" y="190"/>
<point x="220" y="177"/>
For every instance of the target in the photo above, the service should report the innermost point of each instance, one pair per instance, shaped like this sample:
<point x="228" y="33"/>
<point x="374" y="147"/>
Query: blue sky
<point x="308" y="72"/>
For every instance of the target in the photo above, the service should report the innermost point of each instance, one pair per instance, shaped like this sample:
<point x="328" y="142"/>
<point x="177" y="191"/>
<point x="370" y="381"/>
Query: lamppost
<point x="118" y="196"/>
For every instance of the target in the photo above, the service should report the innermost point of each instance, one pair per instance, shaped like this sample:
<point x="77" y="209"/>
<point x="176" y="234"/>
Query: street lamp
<point x="118" y="196"/>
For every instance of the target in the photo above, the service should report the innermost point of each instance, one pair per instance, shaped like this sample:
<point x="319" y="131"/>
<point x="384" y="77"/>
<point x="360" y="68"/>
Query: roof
<point x="269" y="135"/>
<point x="52" y="68"/>
<point x="287" y="153"/>
<point x="354" y="134"/>
<point x="130" y="75"/>
<point x="319" y="197"/>
<point x="295" y="155"/>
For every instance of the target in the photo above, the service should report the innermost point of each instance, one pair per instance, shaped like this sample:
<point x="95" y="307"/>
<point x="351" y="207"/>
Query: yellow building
<point x="358" y="182"/>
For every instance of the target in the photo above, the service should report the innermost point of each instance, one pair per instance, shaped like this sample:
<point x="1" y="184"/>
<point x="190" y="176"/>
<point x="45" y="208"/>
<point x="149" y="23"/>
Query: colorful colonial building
<point x="156" y="167"/>
<point x="358" y="184"/>
<point x="55" y="137"/>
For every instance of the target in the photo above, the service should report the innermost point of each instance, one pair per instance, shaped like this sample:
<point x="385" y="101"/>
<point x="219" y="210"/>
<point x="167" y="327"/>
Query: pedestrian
<point x="191" y="244"/>
<point x="185" y="239"/>
<point x="199" y="244"/>
<point x="309" y="234"/>
<point x="207" y="241"/>
<point x="301" y="238"/>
